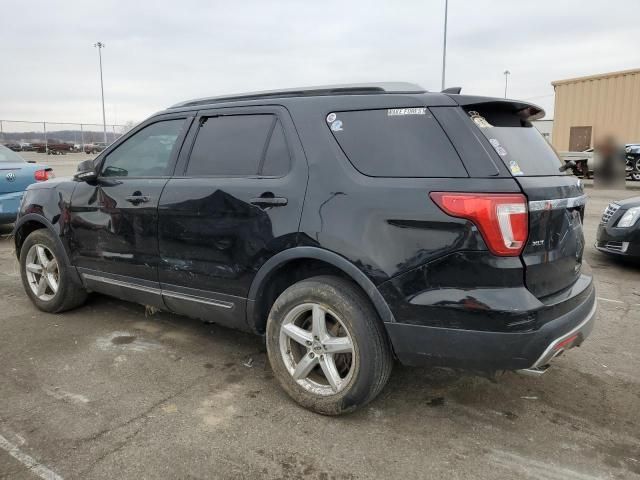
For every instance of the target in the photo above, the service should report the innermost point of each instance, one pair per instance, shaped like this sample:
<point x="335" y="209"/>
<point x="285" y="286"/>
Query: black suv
<point x="349" y="225"/>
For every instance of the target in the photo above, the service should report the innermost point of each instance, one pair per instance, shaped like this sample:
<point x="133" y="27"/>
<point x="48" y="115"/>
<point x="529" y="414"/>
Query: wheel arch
<point x="264" y="289"/>
<point x="30" y="223"/>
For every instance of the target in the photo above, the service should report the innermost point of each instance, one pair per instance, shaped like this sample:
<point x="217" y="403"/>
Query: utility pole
<point x="444" y="44"/>
<point x="506" y="81"/>
<point x="46" y="140"/>
<point x="100" y="46"/>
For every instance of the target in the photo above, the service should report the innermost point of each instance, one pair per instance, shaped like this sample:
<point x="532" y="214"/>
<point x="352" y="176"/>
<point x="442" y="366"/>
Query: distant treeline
<point x="61" y="136"/>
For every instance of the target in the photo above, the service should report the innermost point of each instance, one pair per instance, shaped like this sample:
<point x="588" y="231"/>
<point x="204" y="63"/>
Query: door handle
<point x="269" y="201"/>
<point x="136" y="199"/>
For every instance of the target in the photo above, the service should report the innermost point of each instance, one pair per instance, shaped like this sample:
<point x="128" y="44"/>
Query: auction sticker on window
<point x="394" y="112"/>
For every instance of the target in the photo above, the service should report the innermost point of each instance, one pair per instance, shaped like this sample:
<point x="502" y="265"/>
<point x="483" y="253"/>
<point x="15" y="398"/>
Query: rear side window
<point x="402" y="142"/>
<point x="239" y="145"/>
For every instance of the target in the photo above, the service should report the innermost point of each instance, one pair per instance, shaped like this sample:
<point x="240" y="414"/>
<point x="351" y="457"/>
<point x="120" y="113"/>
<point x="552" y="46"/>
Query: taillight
<point x="502" y="218"/>
<point x="42" y="175"/>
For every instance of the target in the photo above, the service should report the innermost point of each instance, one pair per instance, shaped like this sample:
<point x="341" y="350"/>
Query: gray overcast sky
<point x="161" y="52"/>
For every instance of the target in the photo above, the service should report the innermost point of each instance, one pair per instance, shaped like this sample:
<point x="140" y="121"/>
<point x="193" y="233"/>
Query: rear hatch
<point x="12" y="175"/>
<point x="553" y="252"/>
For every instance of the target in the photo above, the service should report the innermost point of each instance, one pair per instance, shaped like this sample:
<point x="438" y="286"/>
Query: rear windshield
<point x="7" y="155"/>
<point x="396" y="142"/>
<point x="521" y="147"/>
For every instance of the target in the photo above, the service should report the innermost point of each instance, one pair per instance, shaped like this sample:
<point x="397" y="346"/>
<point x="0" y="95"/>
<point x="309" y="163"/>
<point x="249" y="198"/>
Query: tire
<point x="351" y="323"/>
<point x="67" y="295"/>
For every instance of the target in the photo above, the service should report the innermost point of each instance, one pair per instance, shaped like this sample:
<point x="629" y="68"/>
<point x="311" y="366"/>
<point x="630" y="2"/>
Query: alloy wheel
<point x="43" y="273"/>
<point x="317" y="349"/>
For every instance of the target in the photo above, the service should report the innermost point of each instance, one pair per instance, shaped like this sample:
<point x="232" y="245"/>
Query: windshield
<point x="7" y="155"/>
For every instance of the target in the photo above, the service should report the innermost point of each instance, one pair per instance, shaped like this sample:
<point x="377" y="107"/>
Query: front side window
<point x="238" y="146"/>
<point x="145" y="154"/>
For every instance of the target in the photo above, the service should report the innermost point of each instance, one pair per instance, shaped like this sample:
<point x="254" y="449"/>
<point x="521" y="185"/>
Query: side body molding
<point x="314" y="253"/>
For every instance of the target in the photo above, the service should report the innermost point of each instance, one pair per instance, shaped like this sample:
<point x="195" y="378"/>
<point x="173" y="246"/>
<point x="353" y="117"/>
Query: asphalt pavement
<point x="107" y="392"/>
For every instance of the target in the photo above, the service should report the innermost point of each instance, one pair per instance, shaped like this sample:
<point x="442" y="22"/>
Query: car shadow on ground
<point x="603" y="260"/>
<point x="6" y="230"/>
<point x="413" y="392"/>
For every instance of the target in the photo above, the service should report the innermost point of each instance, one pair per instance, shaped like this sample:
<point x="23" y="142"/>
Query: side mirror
<point x="86" y="171"/>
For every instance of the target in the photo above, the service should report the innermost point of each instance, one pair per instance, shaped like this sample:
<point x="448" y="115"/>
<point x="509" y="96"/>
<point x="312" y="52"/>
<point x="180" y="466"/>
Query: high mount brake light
<point x="42" y="175"/>
<point x="502" y="218"/>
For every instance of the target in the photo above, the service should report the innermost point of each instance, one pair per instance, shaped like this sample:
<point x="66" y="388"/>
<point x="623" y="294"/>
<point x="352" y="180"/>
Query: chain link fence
<point x="57" y="137"/>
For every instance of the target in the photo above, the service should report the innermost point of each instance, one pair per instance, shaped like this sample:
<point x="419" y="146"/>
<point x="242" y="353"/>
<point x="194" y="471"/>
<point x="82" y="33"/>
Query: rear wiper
<point x="568" y="165"/>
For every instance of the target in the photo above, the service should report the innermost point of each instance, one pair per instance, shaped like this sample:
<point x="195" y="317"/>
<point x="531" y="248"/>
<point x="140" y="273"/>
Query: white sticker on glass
<point x="392" y="112"/>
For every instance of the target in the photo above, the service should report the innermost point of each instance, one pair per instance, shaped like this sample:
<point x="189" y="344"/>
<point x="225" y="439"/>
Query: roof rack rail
<point x="349" y="89"/>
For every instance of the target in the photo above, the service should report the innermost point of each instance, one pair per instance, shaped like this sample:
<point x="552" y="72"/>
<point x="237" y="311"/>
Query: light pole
<point x="506" y="81"/>
<point x="100" y="46"/>
<point x="444" y="44"/>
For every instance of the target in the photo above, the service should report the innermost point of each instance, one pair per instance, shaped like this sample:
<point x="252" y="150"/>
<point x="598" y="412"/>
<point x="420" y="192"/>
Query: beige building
<point x="588" y="108"/>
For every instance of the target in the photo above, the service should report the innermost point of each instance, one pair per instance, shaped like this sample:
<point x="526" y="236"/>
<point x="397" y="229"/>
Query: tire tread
<point x="380" y="360"/>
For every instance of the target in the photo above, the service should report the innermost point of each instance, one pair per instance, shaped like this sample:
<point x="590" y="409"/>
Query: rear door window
<point x="397" y="142"/>
<point x="239" y="146"/>
<point x="276" y="161"/>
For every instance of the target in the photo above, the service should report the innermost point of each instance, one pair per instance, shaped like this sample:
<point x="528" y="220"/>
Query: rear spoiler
<point x="524" y="110"/>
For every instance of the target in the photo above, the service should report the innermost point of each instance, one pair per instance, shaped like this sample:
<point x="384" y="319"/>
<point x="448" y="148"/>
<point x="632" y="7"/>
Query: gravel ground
<point x="106" y="392"/>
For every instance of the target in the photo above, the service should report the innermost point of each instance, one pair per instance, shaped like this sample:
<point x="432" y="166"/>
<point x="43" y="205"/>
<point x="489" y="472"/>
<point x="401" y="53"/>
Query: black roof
<point x="359" y="91"/>
<point x="324" y="90"/>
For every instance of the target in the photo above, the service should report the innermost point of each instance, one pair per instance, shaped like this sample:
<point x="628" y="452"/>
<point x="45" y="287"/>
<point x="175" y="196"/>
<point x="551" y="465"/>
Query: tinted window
<point x="276" y="161"/>
<point x="396" y="143"/>
<point x="230" y="145"/>
<point x="524" y="151"/>
<point x="517" y="142"/>
<point x="145" y="154"/>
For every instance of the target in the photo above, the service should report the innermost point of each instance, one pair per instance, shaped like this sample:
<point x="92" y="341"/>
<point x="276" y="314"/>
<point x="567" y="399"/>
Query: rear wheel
<point x="45" y="277"/>
<point x="327" y="346"/>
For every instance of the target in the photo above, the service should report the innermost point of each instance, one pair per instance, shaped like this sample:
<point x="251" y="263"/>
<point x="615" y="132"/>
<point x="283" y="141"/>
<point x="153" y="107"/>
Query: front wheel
<point x="45" y="277"/>
<point x="327" y="346"/>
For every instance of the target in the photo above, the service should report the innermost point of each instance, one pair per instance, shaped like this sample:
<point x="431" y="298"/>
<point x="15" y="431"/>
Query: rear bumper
<point x="9" y="206"/>
<point x="489" y="350"/>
